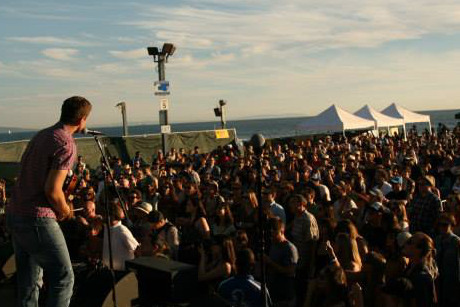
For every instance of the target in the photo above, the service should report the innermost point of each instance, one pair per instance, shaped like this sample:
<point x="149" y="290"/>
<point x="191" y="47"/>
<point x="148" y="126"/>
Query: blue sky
<point x="265" y="57"/>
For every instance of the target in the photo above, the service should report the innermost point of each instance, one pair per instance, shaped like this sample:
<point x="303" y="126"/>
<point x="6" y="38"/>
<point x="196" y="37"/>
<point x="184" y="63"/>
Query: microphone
<point x="92" y="132"/>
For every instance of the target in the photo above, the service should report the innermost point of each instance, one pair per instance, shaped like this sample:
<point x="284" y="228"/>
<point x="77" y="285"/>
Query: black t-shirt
<point x="375" y="237"/>
<point x="424" y="291"/>
<point x="400" y="195"/>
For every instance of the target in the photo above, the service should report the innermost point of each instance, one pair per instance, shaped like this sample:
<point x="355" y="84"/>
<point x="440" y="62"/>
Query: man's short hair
<point x="245" y="261"/>
<point x="74" y="109"/>
<point x="276" y="225"/>
<point x="115" y="211"/>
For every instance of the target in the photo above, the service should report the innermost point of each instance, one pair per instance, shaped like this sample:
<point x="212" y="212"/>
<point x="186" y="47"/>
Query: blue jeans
<point x="40" y="247"/>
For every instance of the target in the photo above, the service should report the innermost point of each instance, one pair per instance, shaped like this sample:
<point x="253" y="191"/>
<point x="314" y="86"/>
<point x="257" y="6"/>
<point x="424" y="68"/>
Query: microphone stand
<point x="258" y="142"/>
<point x="105" y="164"/>
<point x="109" y="233"/>
<point x="108" y="175"/>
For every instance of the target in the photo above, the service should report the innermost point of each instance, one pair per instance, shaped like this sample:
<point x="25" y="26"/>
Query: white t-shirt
<point x="325" y="193"/>
<point x="123" y="246"/>
<point x="385" y="188"/>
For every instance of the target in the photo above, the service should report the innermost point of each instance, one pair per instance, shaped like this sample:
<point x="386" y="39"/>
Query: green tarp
<point x="123" y="147"/>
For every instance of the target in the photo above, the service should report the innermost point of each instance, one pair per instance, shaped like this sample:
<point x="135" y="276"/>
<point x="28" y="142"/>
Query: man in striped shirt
<point x="38" y="202"/>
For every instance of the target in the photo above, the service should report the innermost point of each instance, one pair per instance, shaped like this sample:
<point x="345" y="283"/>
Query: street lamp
<point x="161" y="57"/>
<point x="221" y="112"/>
<point x="122" y="106"/>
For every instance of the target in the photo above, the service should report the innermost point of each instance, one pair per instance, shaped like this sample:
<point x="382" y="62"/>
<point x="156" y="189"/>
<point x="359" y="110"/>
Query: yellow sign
<point x="222" y="134"/>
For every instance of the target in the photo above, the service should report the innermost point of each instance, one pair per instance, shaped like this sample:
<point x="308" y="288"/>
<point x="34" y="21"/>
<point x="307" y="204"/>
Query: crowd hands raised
<point x="358" y="221"/>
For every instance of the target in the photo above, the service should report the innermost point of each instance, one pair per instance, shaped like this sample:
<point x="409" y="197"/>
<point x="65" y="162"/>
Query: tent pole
<point x="404" y="131"/>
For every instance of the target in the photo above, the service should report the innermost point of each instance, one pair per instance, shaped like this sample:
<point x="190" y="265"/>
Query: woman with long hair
<point x="223" y="223"/>
<point x="347" y="226"/>
<point x="197" y="217"/>
<point x="422" y="270"/>
<point x="248" y="214"/>
<point x="347" y="252"/>
<point x="330" y="289"/>
<point x="399" y="210"/>
<point x="219" y="263"/>
<point x="195" y="229"/>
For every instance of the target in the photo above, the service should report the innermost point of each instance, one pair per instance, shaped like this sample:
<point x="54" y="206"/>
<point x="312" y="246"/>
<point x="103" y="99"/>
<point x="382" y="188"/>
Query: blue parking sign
<point x="161" y="87"/>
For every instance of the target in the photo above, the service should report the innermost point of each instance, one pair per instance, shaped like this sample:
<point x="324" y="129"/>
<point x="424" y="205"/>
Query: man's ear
<point x="81" y="122"/>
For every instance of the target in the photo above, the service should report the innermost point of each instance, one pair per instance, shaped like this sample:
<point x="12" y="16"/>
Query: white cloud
<point x="130" y="54"/>
<point x="50" y="40"/>
<point x="262" y="56"/>
<point x="310" y="25"/>
<point x="61" y="54"/>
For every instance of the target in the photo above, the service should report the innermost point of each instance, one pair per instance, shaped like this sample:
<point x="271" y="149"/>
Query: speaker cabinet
<point x="163" y="281"/>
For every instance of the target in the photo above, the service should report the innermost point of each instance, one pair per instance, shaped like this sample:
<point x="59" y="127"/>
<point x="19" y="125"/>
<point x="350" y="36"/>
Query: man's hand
<point x="63" y="213"/>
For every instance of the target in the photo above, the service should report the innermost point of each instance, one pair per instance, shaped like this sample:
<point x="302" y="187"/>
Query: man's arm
<point x="55" y="195"/>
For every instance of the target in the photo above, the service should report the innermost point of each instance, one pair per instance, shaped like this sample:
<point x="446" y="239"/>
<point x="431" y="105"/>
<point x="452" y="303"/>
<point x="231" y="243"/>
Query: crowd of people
<point x="348" y="221"/>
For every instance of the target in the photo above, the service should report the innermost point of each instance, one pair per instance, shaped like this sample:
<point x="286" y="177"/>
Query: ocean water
<point x="269" y="128"/>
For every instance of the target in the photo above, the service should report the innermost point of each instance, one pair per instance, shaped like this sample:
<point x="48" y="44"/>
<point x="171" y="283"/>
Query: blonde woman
<point x="347" y="252"/>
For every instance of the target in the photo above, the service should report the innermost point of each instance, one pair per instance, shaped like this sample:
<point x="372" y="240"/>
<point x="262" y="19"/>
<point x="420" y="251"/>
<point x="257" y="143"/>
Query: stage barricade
<point x="123" y="147"/>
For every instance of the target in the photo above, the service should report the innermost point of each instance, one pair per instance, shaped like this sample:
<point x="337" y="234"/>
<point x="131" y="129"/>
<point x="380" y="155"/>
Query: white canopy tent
<point x="335" y="119"/>
<point x="407" y="116"/>
<point x="380" y="120"/>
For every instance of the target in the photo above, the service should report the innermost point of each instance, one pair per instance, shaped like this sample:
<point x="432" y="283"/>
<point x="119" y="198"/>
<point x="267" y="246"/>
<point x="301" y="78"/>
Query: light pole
<point x="221" y="112"/>
<point x="161" y="57"/>
<point x="122" y="106"/>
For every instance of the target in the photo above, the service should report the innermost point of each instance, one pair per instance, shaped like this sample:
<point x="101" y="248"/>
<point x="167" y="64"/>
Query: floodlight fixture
<point x="220" y="112"/>
<point x="168" y="49"/>
<point x="153" y="51"/>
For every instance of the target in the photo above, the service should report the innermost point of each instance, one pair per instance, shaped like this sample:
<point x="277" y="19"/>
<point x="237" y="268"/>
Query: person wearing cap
<point x="323" y="190"/>
<point x="141" y="227"/>
<point x="344" y="206"/>
<point x="142" y="209"/>
<point x="372" y="230"/>
<point x="164" y="230"/>
<point x="397" y="192"/>
<point x="448" y="259"/>
<point x="425" y="208"/>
